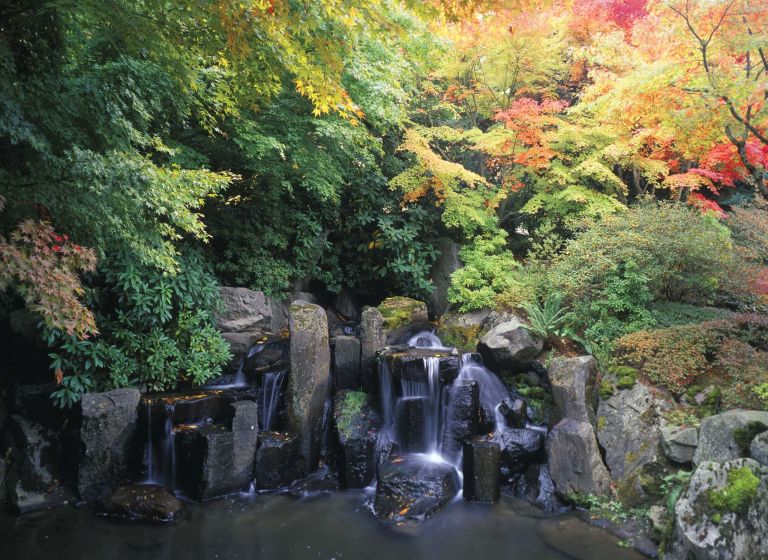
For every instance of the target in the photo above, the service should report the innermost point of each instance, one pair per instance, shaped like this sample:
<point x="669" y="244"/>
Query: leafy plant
<point x="546" y="317"/>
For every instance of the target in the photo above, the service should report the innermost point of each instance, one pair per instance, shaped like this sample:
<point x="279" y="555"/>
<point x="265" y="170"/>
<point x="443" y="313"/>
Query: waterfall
<point x="492" y="389"/>
<point x="240" y="380"/>
<point x="432" y="422"/>
<point x="149" y="453"/>
<point x="271" y="390"/>
<point x="425" y="339"/>
<point x="387" y="398"/>
<point x="161" y="469"/>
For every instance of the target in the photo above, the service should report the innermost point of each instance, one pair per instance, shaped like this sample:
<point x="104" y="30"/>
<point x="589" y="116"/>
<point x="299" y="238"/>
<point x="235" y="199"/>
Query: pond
<point x="329" y="526"/>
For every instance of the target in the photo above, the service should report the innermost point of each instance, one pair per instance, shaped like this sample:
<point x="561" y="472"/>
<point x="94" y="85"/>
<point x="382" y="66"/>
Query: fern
<point x="546" y="317"/>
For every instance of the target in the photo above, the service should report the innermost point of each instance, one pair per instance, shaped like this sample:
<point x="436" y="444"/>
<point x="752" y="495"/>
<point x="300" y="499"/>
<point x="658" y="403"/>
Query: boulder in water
<point x="482" y="470"/>
<point x="142" y="503"/>
<point x="723" y="514"/>
<point x="411" y="415"/>
<point x="34" y="480"/>
<point x="356" y="423"/>
<point x="727" y="436"/>
<point x="106" y="432"/>
<point x="514" y="411"/>
<point x="510" y="346"/>
<point x="411" y="487"/>
<point x="574" y="460"/>
<point x="462" y="409"/>
<point x="308" y="385"/>
<point x="519" y="447"/>
<point x="277" y="457"/>
<point x="537" y="487"/>
<point x="412" y="364"/>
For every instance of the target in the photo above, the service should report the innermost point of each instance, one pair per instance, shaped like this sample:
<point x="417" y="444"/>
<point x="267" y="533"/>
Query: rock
<point x="574" y="460"/>
<point x="277" y="457"/>
<point x="239" y="346"/>
<point x="496" y="318"/>
<point x="536" y="486"/>
<point x="346" y="304"/>
<point x="482" y="470"/>
<point x="462" y="330"/>
<point x="244" y="310"/>
<point x="758" y="449"/>
<point x="679" y="443"/>
<point x="726" y="436"/>
<point x="629" y="429"/>
<point x="574" y="388"/>
<point x="411" y="364"/>
<point x="402" y="317"/>
<point x="34" y="481"/>
<point x="411" y="414"/>
<point x="346" y="362"/>
<point x="510" y="346"/>
<point x="514" y="411"/>
<point x="308" y="384"/>
<point x="106" y="432"/>
<point x="356" y="423"/>
<point x="372" y="340"/>
<point x="142" y="503"/>
<point x="658" y="518"/>
<point x="706" y="531"/>
<point x="322" y="481"/>
<point x="412" y="488"/>
<point x="218" y="459"/>
<point x="519" y="447"/>
<point x="461" y="416"/>
<point x="25" y="323"/>
<point x="446" y="263"/>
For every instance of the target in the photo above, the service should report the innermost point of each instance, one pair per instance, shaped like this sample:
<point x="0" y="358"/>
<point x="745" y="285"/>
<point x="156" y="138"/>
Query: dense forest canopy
<point x="610" y="155"/>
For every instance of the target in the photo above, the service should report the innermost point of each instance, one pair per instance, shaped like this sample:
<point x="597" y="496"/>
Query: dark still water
<point x="334" y="526"/>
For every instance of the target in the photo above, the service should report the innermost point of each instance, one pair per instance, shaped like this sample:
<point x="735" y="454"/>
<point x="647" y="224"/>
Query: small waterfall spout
<point x="271" y="390"/>
<point x="425" y="339"/>
<point x="492" y="389"/>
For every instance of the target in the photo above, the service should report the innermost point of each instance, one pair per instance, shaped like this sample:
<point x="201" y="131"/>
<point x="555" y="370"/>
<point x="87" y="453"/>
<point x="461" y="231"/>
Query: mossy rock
<point x="399" y="312"/>
<point x="737" y="494"/>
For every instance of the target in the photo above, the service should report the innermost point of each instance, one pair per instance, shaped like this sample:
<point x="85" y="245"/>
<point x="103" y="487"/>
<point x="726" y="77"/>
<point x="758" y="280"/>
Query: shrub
<point x="546" y="317"/>
<point x="155" y="328"/>
<point x="745" y="368"/>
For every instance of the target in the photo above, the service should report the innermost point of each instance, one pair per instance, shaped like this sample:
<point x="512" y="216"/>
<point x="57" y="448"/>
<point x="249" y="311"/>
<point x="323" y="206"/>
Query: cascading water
<point x="492" y="389"/>
<point x="162" y="469"/>
<point x="272" y="386"/>
<point x="425" y="339"/>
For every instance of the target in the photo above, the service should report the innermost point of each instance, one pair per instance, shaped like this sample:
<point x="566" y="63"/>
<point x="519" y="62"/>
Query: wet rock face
<point x="372" y="340"/>
<point x="482" y="470"/>
<point x="519" y="447"/>
<point x="108" y="425"/>
<point x="239" y="345"/>
<point x="308" y="384"/>
<point x="277" y="458"/>
<point x="356" y="432"/>
<point x="413" y="488"/>
<point x="462" y="418"/>
<point x="346" y="362"/>
<point x="408" y="363"/>
<point x="402" y="317"/>
<point x="3" y="486"/>
<point x="509" y="346"/>
<point x="629" y="429"/>
<point x="727" y="436"/>
<point x="537" y="487"/>
<point x="217" y="459"/>
<point x="574" y="388"/>
<point x="410" y="414"/>
<point x="574" y="460"/>
<point x="34" y="481"/>
<point x="514" y="411"/>
<point x="758" y="449"/>
<point x="142" y="503"/>
<point x="679" y="443"/>
<point x="706" y="530"/>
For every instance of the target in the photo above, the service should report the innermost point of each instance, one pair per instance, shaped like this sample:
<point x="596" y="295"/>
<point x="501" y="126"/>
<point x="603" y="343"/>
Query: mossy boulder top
<point x="402" y="317"/>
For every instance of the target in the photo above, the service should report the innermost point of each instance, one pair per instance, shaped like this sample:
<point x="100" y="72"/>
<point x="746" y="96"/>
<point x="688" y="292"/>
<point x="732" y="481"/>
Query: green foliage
<point x="351" y="407"/>
<point x="546" y="317"/>
<point x="156" y="329"/>
<point x="738" y="493"/>
<point x="489" y="271"/>
<point x="673" y="485"/>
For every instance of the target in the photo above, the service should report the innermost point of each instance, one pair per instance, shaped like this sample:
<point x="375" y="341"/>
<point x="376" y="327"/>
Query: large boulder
<point x="356" y="422"/>
<point x="346" y="362"/>
<point x="462" y="418"/>
<point x="244" y="310"/>
<point x="276" y="460"/>
<point x="679" y="443"/>
<point x="106" y="432"/>
<point x="519" y="447"/>
<point x="574" y="388"/>
<point x="723" y="515"/>
<point x="758" y="449"/>
<point x="218" y="459"/>
<point x="727" y="436"/>
<point x="574" y="460"/>
<point x="629" y="429"/>
<point x="414" y="488"/>
<point x="481" y="464"/>
<point x="372" y="340"/>
<point x="308" y="384"/>
<point x="536" y="486"/>
<point x="446" y="263"/>
<point x="462" y="330"/>
<point x="138" y="502"/>
<point x="34" y="479"/>
<point x="402" y="317"/>
<point x="510" y="346"/>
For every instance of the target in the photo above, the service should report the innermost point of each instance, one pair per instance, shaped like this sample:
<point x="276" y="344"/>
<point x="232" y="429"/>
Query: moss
<point x="601" y="423"/>
<point x="716" y="518"/>
<point x="744" y="436"/>
<point x="351" y="407"/>
<point x="459" y="336"/>
<point x="628" y="380"/>
<point x="399" y="311"/>
<point x="606" y="389"/>
<point x="738" y="493"/>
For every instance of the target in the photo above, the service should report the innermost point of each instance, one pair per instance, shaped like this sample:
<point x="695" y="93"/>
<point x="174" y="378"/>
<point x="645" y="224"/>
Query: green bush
<point x="155" y="329"/>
